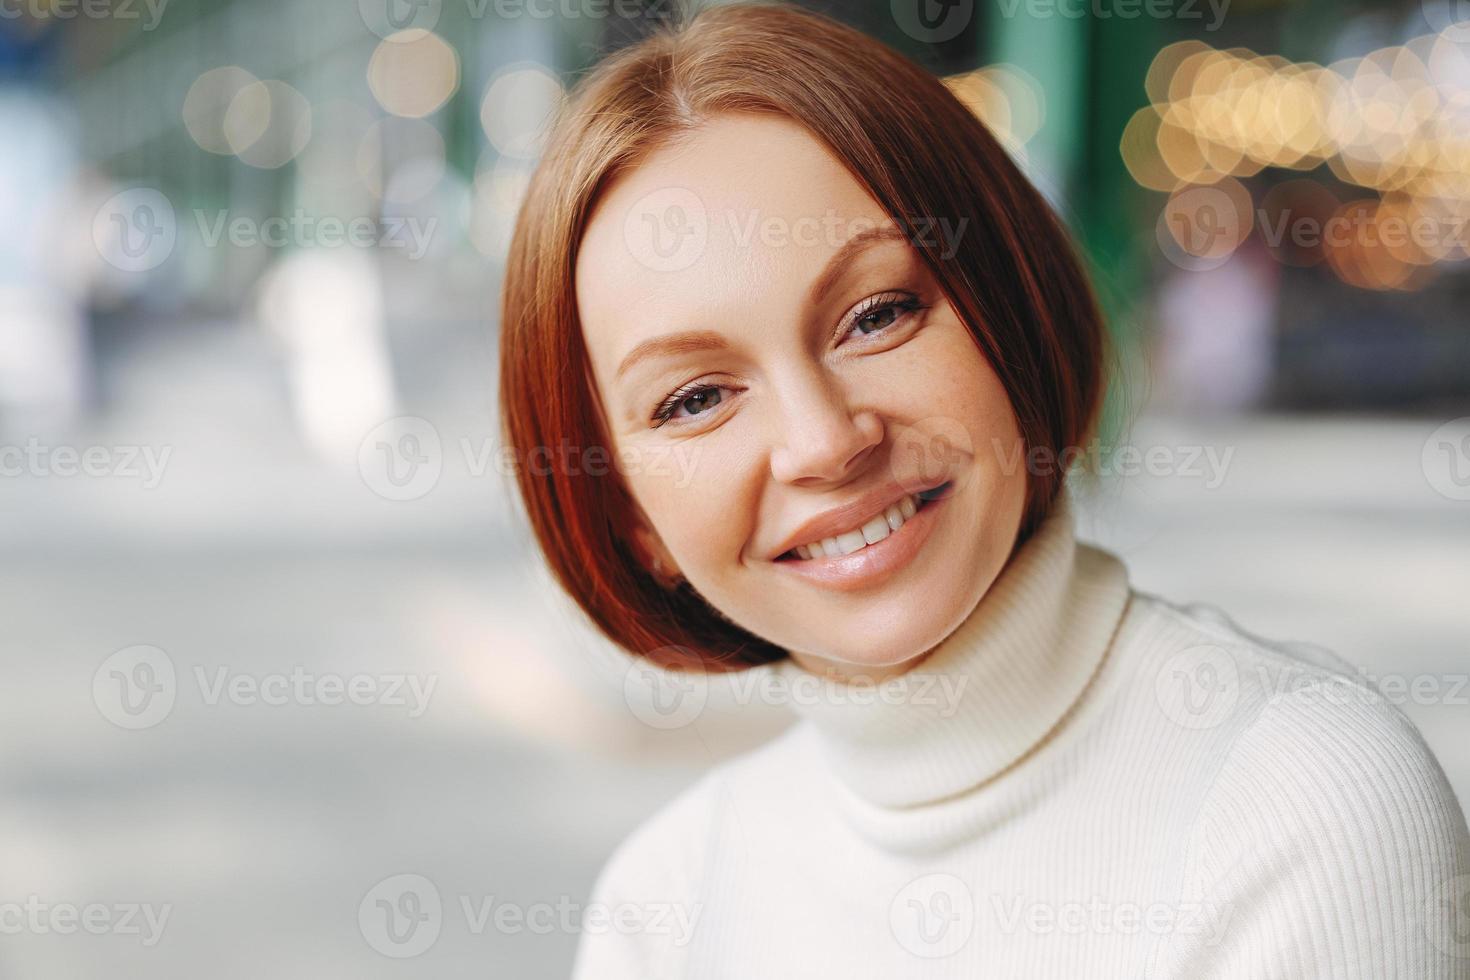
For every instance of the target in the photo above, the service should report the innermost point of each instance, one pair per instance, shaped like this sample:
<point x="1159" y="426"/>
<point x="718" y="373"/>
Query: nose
<point x="822" y="437"/>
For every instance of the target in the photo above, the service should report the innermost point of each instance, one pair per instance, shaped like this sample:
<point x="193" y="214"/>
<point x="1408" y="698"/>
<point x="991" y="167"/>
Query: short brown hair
<point x="1014" y="278"/>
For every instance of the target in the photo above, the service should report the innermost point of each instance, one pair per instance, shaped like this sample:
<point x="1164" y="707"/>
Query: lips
<point x="850" y="527"/>
<point x="874" y="565"/>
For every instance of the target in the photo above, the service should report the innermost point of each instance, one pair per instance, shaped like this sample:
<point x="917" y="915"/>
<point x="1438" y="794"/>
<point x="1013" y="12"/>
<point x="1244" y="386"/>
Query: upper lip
<point x="845" y="517"/>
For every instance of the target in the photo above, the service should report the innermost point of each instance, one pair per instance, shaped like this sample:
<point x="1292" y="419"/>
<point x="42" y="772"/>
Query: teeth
<point x="874" y="530"/>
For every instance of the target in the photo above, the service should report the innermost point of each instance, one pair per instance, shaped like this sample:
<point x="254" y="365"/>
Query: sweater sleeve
<point x="640" y="918"/>
<point x="1330" y="847"/>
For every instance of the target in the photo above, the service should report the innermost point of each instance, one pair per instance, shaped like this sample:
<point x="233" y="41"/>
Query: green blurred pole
<point x="1091" y="70"/>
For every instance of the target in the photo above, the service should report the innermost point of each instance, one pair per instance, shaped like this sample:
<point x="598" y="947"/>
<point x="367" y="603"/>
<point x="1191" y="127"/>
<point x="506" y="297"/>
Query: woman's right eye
<point x="696" y="399"/>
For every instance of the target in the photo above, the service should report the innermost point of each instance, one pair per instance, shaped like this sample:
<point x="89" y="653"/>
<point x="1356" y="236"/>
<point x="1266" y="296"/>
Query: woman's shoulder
<point x="1284" y="698"/>
<point x="1317" y="778"/>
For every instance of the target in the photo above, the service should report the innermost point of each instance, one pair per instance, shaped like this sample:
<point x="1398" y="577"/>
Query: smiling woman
<point x="750" y="231"/>
<point x="768" y="244"/>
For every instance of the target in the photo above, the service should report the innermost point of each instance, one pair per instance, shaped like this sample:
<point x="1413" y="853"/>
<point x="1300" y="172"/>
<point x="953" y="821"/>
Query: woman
<point x="826" y="352"/>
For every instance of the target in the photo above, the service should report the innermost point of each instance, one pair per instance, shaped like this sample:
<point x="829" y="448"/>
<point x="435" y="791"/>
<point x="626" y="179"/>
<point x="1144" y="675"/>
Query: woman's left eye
<point x="879" y="312"/>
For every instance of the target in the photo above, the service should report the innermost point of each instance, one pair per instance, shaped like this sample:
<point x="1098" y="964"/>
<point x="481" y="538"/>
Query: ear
<point x="655" y="556"/>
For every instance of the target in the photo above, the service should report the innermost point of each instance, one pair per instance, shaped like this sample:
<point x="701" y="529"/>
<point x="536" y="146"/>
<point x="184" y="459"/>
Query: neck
<point x="992" y="690"/>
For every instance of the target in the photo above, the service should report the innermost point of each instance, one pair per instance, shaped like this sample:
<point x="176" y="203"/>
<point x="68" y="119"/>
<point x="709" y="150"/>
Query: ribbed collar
<point x="991" y="691"/>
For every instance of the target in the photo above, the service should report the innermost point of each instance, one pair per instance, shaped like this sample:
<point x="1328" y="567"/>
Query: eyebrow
<point x="695" y="341"/>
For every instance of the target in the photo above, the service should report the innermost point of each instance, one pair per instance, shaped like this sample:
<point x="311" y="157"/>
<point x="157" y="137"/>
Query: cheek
<point x="940" y="387"/>
<point x="694" y="494"/>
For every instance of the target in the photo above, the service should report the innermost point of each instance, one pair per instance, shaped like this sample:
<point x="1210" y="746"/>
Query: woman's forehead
<point x="746" y="202"/>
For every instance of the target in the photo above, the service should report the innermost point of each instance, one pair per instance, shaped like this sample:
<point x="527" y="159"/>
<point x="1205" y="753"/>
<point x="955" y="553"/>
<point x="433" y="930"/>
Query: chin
<point x="895" y="630"/>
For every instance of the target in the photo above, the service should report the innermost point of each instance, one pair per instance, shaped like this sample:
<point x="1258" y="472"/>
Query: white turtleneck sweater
<point x="1082" y="781"/>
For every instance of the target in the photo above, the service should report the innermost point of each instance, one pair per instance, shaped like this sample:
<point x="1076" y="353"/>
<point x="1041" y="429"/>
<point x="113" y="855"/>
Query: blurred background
<point x="282" y="669"/>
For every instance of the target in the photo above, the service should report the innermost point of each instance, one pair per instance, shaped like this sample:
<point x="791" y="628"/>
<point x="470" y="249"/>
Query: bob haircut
<point x="1014" y="279"/>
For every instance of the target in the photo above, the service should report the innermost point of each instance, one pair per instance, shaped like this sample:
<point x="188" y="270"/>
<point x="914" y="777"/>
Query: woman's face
<point x="777" y="368"/>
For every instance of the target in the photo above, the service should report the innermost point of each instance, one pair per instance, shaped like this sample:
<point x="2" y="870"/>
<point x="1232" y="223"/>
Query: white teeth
<point x="874" y="530"/>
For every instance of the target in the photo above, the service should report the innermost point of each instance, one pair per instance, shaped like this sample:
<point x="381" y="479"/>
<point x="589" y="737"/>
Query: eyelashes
<point x="882" y="312"/>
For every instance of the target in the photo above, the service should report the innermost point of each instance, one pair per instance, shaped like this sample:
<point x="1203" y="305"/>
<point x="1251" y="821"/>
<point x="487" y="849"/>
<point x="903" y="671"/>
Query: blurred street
<point x="289" y="693"/>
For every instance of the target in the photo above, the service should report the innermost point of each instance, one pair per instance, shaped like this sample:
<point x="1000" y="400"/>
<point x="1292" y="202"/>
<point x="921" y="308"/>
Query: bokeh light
<point x="412" y="73"/>
<point x="517" y="108"/>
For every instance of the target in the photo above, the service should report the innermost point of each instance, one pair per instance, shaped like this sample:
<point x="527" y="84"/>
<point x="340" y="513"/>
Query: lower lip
<point x="873" y="564"/>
